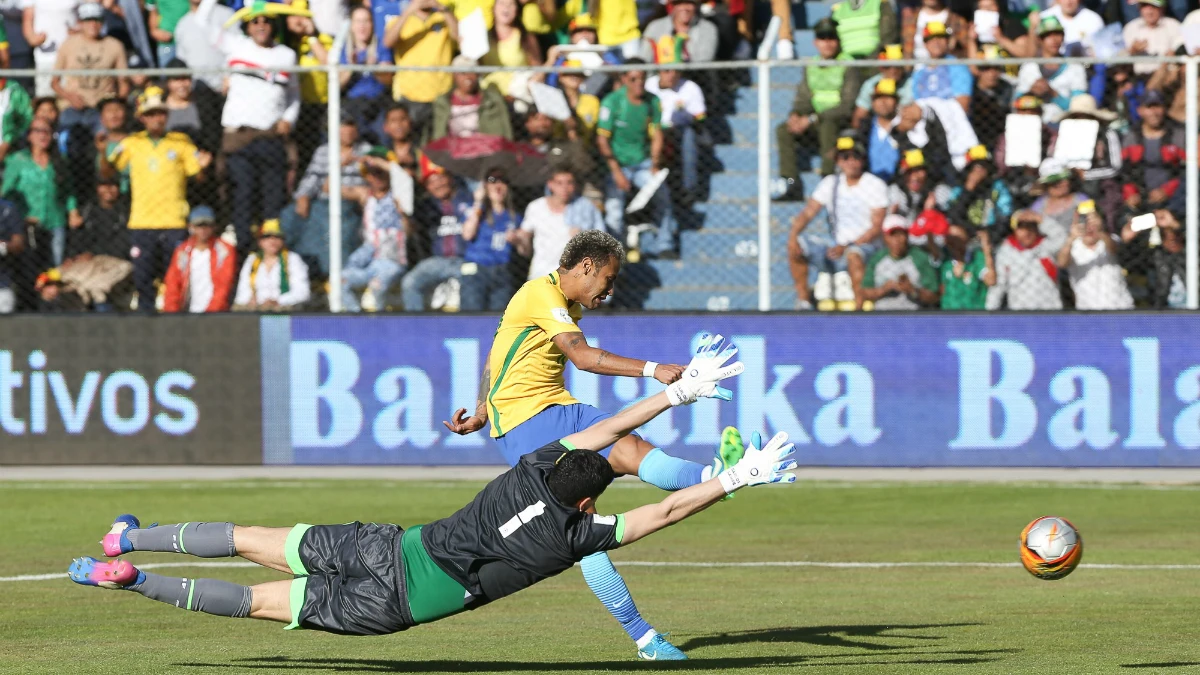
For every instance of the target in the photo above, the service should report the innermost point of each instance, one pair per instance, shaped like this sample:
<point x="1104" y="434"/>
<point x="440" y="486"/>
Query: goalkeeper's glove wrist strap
<point x="730" y="480"/>
<point x="678" y="394"/>
<point x="648" y="369"/>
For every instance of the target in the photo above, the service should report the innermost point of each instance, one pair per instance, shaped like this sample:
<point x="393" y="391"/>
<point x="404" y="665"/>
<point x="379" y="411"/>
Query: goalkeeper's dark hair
<point x="579" y="474"/>
<point x="598" y="246"/>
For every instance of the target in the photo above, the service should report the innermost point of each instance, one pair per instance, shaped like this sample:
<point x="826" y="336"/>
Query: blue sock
<point x="607" y="584"/>
<point x="669" y="473"/>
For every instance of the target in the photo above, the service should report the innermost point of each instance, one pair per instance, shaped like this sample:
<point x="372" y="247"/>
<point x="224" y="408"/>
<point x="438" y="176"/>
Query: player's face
<point x="600" y="284"/>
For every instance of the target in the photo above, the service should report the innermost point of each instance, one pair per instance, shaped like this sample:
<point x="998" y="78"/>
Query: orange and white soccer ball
<point x="1050" y="547"/>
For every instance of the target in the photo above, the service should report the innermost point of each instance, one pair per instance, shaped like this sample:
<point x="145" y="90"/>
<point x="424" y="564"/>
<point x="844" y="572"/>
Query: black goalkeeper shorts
<point x="349" y="579"/>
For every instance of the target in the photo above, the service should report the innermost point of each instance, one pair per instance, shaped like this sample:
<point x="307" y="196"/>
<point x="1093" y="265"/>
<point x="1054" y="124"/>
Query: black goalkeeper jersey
<point x="515" y="533"/>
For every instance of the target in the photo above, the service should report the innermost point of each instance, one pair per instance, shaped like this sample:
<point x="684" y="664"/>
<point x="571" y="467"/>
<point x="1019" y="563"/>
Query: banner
<point x="130" y="390"/>
<point x="913" y="390"/>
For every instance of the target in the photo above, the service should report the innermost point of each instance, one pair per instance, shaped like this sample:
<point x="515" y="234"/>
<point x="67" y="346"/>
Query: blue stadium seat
<point x="815" y="11"/>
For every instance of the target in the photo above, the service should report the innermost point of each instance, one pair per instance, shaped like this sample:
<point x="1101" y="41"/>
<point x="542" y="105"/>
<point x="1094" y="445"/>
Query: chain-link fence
<point x="869" y="184"/>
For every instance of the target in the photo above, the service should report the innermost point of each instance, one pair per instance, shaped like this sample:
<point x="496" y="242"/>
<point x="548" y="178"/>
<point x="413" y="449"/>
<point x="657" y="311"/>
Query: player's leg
<point x="266" y="546"/>
<point x="211" y="596"/>
<point x="609" y="587"/>
<point x="633" y="455"/>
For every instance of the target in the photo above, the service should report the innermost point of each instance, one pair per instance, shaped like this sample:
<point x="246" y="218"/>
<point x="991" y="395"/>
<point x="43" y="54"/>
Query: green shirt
<point x="169" y="12"/>
<point x="16" y="112"/>
<point x="967" y="292"/>
<point x="628" y="125"/>
<point x="36" y="190"/>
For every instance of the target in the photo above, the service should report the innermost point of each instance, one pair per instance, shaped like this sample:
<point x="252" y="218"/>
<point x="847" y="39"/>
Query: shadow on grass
<point x="828" y="636"/>
<point x="447" y="666"/>
<point x="1165" y="664"/>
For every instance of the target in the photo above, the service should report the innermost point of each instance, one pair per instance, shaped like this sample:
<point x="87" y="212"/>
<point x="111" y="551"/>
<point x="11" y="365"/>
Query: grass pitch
<point x="743" y="619"/>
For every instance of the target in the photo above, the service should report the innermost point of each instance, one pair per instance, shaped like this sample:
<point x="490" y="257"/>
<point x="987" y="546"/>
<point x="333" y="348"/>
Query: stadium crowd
<point x="205" y="192"/>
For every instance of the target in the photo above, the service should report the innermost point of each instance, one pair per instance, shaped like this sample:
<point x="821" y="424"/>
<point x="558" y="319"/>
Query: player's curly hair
<point x="579" y="474"/>
<point x="600" y="247"/>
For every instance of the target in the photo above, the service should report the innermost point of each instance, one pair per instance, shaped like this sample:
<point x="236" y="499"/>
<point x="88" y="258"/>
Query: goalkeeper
<point x="523" y="398"/>
<point x="533" y="522"/>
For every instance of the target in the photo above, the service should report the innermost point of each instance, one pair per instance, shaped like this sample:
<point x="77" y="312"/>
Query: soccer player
<point x="523" y="396"/>
<point x="531" y="523"/>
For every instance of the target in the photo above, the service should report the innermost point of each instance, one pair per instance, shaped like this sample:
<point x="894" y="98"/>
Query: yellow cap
<point x="270" y="228"/>
<point x="893" y="52"/>
<point x="1086" y="207"/>
<point x="885" y="87"/>
<point x="845" y="143"/>
<point x="935" y="29"/>
<point x="977" y="153"/>
<point x="913" y="159"/>
<point x="153" y="98"/>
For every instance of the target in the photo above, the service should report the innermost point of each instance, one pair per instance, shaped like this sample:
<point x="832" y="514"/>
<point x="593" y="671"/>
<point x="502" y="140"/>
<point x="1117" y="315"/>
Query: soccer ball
<point x="1050" y="547"/>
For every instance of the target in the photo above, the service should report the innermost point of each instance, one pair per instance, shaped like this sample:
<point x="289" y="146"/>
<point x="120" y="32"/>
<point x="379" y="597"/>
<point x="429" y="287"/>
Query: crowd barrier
<point x="918" y="390"/>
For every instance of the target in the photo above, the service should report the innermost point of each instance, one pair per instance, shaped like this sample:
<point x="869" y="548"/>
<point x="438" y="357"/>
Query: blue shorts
<point x="552" y="424"/>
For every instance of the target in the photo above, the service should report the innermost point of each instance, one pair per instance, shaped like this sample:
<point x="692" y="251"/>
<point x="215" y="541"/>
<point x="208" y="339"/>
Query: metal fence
<point x="1004" y="202"/>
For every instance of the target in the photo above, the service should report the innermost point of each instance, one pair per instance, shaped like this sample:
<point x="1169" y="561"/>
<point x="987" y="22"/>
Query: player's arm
<point x="463" y="425"/>
<point x="603" y="362"/>
<point x="704" y="375"/>
<point x="768" y="465"/>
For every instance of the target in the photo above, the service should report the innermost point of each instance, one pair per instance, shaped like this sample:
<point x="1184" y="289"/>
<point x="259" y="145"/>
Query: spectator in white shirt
<point x="854" y="202"/>
<point x="1026" y="274"/>
<point x="1151" y="34"/>
<point x="683" y="113"/>
<point x="1079" y="25"/>
<point x="1054" y="83"/>
<point x="1090" y="258"/>
<point x="193" y="46"/>
<point x="273" y="279"/>
<point x="262" y="105"/>
<point x="46" y="24"/>
<point x="551" y="221"/>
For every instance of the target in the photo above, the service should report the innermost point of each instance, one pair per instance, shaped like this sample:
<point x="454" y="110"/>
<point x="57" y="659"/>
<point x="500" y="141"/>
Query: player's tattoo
<point x="603" y="355"/>
<point x="574" y="341"/>
<point x="485" y="383"/>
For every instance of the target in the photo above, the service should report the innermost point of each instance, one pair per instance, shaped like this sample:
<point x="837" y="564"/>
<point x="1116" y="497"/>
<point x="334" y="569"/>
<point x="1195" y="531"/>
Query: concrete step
<point x="719" y="300"/>
<point x="736" y="183"/>
<point x="744" y="157"/>
<point x="782" y="95"/>
<point x="739" y="272"/>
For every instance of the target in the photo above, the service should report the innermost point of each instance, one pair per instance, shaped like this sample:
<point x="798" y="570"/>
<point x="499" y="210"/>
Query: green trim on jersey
<point x="432" y="594"/>
<point x="296" y="600"/>
<point x="567" y="445"/>
<point x="291" y="549"/>
<point x="512" y="351"/>
<point x="620" y="533"/>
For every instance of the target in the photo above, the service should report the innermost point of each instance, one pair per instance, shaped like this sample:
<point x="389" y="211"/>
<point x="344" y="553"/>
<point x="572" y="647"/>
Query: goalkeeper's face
<point x="599" y="282"/>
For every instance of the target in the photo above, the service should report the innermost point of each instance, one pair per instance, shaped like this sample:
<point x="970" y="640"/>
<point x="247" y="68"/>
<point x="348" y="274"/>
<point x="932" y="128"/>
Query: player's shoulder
<point x="545" y="457"/>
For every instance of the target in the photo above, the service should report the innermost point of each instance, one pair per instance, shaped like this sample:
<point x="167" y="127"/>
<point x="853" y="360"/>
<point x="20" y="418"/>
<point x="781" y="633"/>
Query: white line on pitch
<point x="645" y="563"/>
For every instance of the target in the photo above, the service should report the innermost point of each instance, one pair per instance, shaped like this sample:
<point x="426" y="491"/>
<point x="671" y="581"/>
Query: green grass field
<point x="743" y="619"/>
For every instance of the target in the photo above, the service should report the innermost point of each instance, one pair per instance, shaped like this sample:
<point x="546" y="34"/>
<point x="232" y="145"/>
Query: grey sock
<point x="211" y="596"/>
<point x="203" y="540"/>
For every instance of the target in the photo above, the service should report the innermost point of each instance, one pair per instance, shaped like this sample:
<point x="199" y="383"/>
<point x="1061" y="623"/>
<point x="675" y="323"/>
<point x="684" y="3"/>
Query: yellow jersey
<point x="158" y="172"/>
<point x="423" y="42"/>
<point x="526" y="366"/>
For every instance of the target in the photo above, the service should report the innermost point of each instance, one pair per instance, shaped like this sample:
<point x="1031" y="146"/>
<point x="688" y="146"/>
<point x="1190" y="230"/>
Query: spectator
<point x="1153" y="154"/>
<point x="51" y="296"/>
<point x="513" y="48"/>
<point x="1022" y="180"/>
<point x="467" y="110"/>
<point x="566" y="154"/>
<point x="315" y="183"/>
<point x="1026" y="274"/>
<point x="260" y="110"/>
<point x="164" y="18"/>
<point x="193" y="43"/>
<point x="1011" y="39"/>
<point x="1099" y="175"/>
<point x="855" y="203"/>
<point x="114" y="128"/>
<point x="1089" y="256"/>
<point x="920" y="128"/>
<point x="398" y="137"/>
<point x="915" y="29"/>
<point x="12" y="260"/>
<point x="88" y="50"/>
<point x="698" y="35"/>
<point x="366" y="94"/>
<point x="1079" y="25"/>
<point x="617" y="25"/>
<point x="941" y="81"/>
<point x="193" y="111"/>
<point x="914" y="191"/>
<point x="876" y="132"/>
<point x="552" y="220"/>
<point x="584" y="106"/>
<point x="899" y="277"/>
<point x="967" y="272"/>
<point x="439" y="219"/>
<point x="1054" y="83"/>
<point x="823" y="106"/>
<point x="1168" y="80"/>
<point x="864" y="26"/>
<point x="10" y="18"/>
<point x="490" y="230"/>
<point x="1168" y="262"/>
<point x="424" y="35"/>
<point x="384" y="12"/>
<point x="1151" y="34"/>
<point x="39" y="182"/>
<point x="991" y="101"/>
<point x="159" y="164"/>
<point x="683" y="115"/>
<point x="387" y="232"/>
<point x="312" y="49"/>
<point x="630" y="140"/>
<point x="866" y="93"/>
<point x="46" y="25"/>
<point x="97" y="269"/>
<point x="582" y="32"/>
<point x="1056" y="208"/>
<point x="273" y="279"/>
<point x="16" y="112"/>
<point x="982" y="200"/>
<point x="201" y="275"/>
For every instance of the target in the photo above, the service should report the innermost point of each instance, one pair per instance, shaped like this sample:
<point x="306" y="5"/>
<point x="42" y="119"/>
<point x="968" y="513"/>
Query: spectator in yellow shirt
<point x="159" y="165"/>
<point x="424" y="35"/>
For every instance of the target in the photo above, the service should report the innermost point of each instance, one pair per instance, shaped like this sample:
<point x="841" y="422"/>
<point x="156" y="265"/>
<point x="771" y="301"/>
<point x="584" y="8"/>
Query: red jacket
<point x="223" y="269"/>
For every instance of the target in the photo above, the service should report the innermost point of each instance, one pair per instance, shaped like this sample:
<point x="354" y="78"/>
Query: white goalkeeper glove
<point x="761" y="466"/>
<point x="707" y="369"/>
